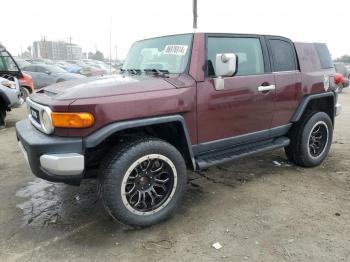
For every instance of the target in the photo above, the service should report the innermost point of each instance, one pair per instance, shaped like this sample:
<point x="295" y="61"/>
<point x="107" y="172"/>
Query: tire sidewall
<point x="113" y="177"/>
<point x="309" y="160"/>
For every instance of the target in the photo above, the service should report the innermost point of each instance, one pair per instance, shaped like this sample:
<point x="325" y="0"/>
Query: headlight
<point x="8" y="84"/>
<point x="46" y="122"/>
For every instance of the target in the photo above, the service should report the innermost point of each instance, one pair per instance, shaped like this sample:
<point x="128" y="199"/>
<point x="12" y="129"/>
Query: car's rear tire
<point x="142" y="181"/>
<point x="311" y="139"/>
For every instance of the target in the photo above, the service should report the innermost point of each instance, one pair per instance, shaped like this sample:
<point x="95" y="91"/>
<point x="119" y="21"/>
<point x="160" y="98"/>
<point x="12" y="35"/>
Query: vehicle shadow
<point x="57" y="209"/>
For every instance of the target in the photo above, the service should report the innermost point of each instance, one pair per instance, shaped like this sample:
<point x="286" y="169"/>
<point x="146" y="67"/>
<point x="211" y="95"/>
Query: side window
<point x="41" y="69"/>
<point x="248" y="50"/>
<point x="324" y="55"/>
<point x="283" y="56"/>
<point x="29" y="68"/>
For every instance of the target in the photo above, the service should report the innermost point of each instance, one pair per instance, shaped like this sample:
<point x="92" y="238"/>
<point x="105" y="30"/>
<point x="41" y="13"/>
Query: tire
<point x="132" y="181"/>
<point x="24" y="93"/>
<point x="311" y="139"/>
<point x="2" y="116"/>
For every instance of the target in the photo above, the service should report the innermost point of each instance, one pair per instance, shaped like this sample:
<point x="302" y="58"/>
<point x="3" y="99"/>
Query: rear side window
<point x="29" y="68"/>
<point x="324" y="55"/>
<point x="283" y="55"/>
<point x="248" y="50"/>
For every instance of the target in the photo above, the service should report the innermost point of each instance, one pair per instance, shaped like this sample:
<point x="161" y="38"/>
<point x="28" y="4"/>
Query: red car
<point x="9" y="66"/>
<point x="181" y="102"/>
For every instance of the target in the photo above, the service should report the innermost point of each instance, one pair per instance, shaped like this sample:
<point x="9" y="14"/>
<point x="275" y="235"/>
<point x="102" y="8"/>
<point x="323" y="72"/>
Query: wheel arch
<point x="169" y="128"/>
<point x="323" y="102"/>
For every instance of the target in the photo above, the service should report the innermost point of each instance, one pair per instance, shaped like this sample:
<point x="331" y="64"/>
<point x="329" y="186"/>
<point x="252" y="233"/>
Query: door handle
<point x="266" y="88"/>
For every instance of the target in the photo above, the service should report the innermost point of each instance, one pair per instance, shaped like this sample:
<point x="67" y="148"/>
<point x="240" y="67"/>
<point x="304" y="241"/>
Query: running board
<point x="219" y="157"/>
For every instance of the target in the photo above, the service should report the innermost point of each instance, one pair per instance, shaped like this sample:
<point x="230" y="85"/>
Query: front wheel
<point x="24" y="92"/>
<point x="311" y="140"/>
<point x="2" y="117"/>
<point x="143" y="181"/>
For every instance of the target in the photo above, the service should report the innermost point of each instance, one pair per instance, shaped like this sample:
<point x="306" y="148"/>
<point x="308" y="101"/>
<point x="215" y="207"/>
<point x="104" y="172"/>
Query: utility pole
<point x="71" y="48"/>
<point x="110" y="48"/>
<point x="195" y="15"/>
<point x="116" y="53"/>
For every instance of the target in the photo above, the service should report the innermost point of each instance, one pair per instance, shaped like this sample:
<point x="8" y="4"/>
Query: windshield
<point x="6" y="62"/>
<point x="169" y="53"/>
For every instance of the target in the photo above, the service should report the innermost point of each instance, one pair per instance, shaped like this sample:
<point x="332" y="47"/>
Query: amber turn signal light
<point x="72" y="120"/>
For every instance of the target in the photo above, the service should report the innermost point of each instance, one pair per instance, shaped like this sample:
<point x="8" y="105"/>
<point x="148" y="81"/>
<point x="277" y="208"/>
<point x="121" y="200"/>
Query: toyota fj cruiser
<point x="181" y="102"/>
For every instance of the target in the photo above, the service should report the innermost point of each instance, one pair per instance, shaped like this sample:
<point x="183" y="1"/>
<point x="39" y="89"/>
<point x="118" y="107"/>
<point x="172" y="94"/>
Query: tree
<point x="98" y="56"/>
<point x="344" y="59"/>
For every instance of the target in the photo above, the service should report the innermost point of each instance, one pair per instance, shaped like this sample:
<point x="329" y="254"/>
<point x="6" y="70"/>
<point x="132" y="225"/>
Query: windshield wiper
<point x="131" y="70"/>
<point x="159" y="72"/>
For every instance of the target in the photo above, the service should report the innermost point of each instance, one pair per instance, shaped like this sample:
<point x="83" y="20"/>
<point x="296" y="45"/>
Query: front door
<point x="246" y="103"/>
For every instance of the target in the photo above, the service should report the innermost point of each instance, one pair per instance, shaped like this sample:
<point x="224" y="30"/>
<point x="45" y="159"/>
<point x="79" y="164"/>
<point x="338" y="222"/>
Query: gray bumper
<point x="56" y="159"/>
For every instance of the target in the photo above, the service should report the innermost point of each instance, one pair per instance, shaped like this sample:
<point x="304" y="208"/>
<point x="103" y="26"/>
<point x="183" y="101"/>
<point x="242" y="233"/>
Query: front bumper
<point x="56" y="159"/>
<point x="338" y="109"/>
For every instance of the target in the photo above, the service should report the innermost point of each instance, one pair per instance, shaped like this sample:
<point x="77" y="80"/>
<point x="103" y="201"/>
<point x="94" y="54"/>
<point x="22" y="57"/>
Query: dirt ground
<point x="260" y="208"/>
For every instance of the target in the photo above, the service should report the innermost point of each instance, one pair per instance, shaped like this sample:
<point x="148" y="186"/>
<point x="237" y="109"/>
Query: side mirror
<point x="225" y="65"/>
<point x="48" y="72"/>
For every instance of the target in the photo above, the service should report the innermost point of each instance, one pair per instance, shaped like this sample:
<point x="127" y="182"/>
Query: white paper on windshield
<point x="175" y="49"/>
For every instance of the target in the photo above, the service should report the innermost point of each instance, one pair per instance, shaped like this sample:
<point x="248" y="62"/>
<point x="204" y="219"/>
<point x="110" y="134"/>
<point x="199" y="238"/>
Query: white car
<point x="10" y="96"/>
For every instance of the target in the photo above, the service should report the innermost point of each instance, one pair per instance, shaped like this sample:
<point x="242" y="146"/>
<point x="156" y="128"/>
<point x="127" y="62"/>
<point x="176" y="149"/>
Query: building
<point x="73" y="51"/>
<point x="56" y="50"/>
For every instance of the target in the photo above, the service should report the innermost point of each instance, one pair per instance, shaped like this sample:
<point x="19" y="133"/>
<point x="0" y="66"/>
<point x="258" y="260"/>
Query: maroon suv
<point x="181" y="102"/>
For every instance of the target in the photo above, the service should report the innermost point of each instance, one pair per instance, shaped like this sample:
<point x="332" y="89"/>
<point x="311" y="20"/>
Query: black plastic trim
<point x="105" y="132"/>
<point x="216" y="158"/>
<point x="303" y="104"/>
<point x="37" y="144"/>
<point x="223" y="144"/>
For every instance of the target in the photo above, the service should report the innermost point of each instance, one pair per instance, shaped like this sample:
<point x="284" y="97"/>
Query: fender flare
<point x="98" y="136"/>
<point x="4" y="98"/>
<point x="306" y="100"/>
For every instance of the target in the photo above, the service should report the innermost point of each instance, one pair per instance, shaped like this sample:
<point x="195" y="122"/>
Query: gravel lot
<point x="259" y="209"/>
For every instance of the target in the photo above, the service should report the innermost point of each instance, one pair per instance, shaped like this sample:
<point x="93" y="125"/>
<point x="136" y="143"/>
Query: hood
<point x="105" y="86"/>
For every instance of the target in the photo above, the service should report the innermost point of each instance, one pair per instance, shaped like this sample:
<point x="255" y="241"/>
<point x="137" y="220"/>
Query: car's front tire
<point x="24" y="92"/>
<point x="142" y="181"/>
<point x="311" y="140"/>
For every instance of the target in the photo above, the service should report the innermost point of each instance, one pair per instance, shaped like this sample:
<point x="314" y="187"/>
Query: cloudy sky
<point x="89" y="22"/>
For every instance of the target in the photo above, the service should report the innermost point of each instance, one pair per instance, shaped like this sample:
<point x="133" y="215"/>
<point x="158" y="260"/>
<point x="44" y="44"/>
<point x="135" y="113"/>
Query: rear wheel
<point x="311" y="140"/>
<point x="142" y="183"/>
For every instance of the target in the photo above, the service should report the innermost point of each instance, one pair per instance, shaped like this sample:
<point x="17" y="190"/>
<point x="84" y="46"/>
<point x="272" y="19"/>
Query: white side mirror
<point x="225" y="65"/>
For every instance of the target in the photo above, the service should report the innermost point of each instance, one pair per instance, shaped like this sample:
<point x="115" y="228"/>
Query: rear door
<point x="287" y="78"/>
<point x="245" y="105"/>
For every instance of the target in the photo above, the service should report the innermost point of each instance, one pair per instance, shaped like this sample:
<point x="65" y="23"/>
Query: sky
<point x="90" y="22"/>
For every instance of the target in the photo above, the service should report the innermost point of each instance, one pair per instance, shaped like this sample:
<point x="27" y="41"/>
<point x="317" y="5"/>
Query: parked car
<point x="41" y="61"/>
<point x="8" y="66"/>
<point x="21" y="62"/>
<point x="44" y="75"/>
<point x="106" y="69"/>
<point x="139" y="131"/>
<point x="87" y="70"/>
<point x="341" y="69"/>
<point x="71" y="68"/>
<point x="10" y="96"/>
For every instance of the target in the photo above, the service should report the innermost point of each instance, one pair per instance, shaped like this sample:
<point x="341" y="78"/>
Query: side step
<point x="213" y="158"/>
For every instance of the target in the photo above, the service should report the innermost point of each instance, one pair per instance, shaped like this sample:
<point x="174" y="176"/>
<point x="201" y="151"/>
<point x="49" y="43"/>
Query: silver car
<point x="10" y="96"/>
